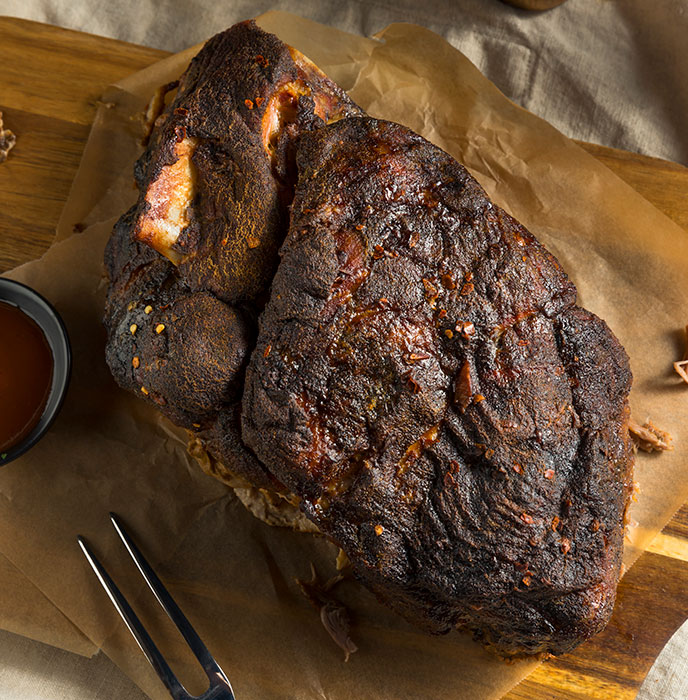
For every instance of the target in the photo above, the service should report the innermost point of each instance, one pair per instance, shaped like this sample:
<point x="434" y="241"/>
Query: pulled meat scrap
<point x="412" y="371"/>
<point x="7" y="141"/>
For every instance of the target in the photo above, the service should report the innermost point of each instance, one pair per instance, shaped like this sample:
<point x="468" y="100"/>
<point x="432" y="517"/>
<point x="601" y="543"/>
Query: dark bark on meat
<point x="239" y="110"/>
<point x="474" y="481"/>
<point x="420" y="379"/>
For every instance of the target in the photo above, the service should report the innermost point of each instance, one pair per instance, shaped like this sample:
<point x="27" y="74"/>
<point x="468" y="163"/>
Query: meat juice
<point x="26" y="372"/>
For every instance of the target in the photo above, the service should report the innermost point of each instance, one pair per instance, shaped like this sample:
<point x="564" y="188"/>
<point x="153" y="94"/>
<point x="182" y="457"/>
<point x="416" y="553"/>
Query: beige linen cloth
<point x="613" y="72"/>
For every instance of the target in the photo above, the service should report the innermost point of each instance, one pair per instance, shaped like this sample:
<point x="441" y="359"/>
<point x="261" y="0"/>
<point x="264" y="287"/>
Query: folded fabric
<point x="613" y="73"/>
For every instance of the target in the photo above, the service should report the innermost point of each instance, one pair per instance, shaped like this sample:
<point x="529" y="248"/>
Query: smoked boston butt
<point x="411" y="369"/>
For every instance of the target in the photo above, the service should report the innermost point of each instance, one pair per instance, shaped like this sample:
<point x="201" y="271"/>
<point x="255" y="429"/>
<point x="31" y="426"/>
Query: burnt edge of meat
<point x="425" y="383"/>
<point x="422" y="381"/>
<point x="181" y="324"/>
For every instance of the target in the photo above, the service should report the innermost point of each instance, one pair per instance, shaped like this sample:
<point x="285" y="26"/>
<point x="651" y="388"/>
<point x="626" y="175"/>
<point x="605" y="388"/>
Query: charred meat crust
<point x="421" y="379"/>
<point x="474" y="479"/>
<point x="190" y="264"/>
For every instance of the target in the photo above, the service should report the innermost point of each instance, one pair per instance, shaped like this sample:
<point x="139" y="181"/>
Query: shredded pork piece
<point x="7" y="141"/>
<point x="335" y="620"/>
<point x="649" y="438"/>
<point x="681" y="367"/>
<point x="333" y="615"/>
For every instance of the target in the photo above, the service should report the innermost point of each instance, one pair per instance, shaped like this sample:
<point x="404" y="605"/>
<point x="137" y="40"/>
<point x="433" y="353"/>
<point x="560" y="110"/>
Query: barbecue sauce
<point x="26" y="373"/>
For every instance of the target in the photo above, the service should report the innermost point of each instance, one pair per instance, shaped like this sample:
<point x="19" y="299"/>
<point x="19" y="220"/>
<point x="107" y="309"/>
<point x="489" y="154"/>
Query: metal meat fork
<point x="220" y="687"/>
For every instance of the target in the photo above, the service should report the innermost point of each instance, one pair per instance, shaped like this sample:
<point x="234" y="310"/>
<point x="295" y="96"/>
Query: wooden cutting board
<point x="50" y="82"/>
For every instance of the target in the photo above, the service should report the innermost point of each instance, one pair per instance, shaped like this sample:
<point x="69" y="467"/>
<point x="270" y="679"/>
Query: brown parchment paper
<point x="233" y="575"/>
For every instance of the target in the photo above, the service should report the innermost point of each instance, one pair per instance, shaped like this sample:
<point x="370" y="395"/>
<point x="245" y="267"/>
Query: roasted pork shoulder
<point x="341" y="317"/>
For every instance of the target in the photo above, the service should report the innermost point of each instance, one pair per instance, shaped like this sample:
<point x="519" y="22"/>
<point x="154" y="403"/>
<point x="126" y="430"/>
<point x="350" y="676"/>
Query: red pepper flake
<point x="595" y="525"/>
<point x="259" y="101"/>
<point x="549" y="473"/>
<point x="466" y="328"/>
<point x="555" y="523"/>
<point x="454" y="466"/>
<point x="267" y="350"/>
<point x="565" y="545"/>
<point x="448" y="281"/>
<point x="528" y="519"/>
<point x="469" y="276"/>
<point x="378" y="252"/>
<point x="431" y="292"/>
<point x="248" y="103"/>
<point x="467" y="288"/>
<point x="518" y="468"/>
<point x="181" y="111"/>
<point x="135" y="362"/>
<point x="429" y="286"/>
<point x="462" y="389"/>
<point x="383" y="301"/>
<point x="449" y="333"/>
<point x="442" y="313"/>
<point x="524" y="258"/>
<point x="478" y="398"/>
<point x="180" y="133"/>
<point x="413" y="356"/>
<point x="526" y="580"/>
<point x="224" y="240"/>
<point x="358" y="227"/>
<point x="489" y="453"/>
<point x="252" y="241"/>
<point x="379" y="530"/>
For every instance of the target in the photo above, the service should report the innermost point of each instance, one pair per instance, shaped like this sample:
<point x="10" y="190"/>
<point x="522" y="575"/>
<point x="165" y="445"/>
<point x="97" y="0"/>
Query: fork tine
<point x="135" y="626"/>
<point x="210" y="666"/>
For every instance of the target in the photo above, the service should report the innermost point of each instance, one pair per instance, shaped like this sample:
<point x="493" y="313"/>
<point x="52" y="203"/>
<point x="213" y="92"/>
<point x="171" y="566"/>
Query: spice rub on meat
<point x="190" y="264"/>
<point x="411" y="369"/>
<point x="424" y="381"/>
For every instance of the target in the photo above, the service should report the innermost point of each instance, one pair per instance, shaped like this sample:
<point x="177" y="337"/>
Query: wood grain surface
<point x="50" y="82"/>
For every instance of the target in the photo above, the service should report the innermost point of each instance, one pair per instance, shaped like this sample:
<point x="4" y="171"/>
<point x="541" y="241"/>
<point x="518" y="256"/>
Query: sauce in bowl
<point x="26" y="375"/>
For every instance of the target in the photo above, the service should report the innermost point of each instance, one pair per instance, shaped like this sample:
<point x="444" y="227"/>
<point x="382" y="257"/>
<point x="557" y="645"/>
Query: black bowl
<point x="49" y="321"/>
